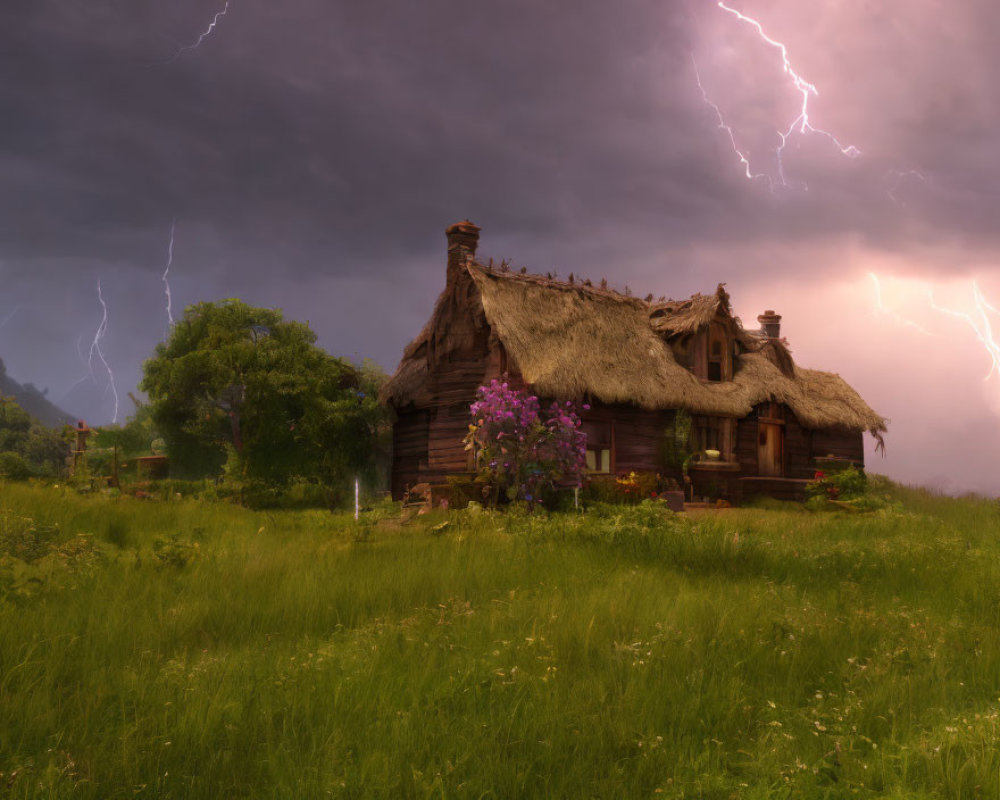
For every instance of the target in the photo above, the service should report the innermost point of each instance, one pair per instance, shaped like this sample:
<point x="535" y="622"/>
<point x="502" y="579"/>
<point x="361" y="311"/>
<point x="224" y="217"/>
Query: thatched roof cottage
<point x="636" y="362"/>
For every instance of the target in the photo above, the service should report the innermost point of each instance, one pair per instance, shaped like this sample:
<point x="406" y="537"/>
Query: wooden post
<point x="80" y="447"/>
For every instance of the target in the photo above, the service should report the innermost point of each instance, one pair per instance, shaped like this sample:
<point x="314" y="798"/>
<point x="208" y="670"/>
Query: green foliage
<point x="299" y="493"/>
<point x="25" y="539"/>
<point x="628" y="488"/>
<point x="464" y="490"/>
<point x="676" y="446"/>
<point x="27" y="448"/>
<point x="14" y="467"/>
<point x="847" y="489"/>
<point x="134" y="438"/>
<point x="241" y="386"/>
<point x="36" y="555"/>
<point x="625" y="652"/>
<point x="174" y="551"/>
<point x="116" y="532"/>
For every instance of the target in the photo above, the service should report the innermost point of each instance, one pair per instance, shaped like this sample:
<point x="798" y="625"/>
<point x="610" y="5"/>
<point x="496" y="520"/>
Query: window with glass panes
<point x="599" y="445"/>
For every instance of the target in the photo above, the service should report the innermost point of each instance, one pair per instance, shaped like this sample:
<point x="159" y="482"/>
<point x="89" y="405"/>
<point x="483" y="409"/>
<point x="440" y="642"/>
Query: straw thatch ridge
<point x="676" y="317"/>
<point x="572" y="340"/>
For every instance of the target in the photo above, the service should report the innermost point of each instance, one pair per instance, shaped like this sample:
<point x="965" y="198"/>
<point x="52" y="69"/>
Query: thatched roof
<point x="572" y="340"/>
<point x="672" y="317"/>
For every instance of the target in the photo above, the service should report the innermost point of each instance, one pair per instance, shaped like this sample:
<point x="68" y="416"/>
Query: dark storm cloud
<point x="312" y="149"/>
<point x="354" y="130"/>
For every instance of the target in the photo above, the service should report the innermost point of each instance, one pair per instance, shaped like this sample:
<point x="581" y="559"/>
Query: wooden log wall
<point x="638" y="436"/>
<point x="461" y="358"/>
<point x="446" y="453"/>
<point x="455" y="382"/>
<point x="409" y="449"/>
<point x="454" y="386"/>
<point x="715" y="484"/>
<point x="746" y="445"/>
<point x="453" y="389"/>
<point x="798" y="448"/>
<point x="838" y="442"/>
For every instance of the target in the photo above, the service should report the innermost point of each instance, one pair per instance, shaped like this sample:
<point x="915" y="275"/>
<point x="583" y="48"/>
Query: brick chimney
<point x="770" y="323"/>
<point x="462" y="240"/>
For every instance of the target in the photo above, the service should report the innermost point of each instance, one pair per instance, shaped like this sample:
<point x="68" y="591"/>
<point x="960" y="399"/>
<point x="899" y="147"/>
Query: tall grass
<point x="203" y="650"/>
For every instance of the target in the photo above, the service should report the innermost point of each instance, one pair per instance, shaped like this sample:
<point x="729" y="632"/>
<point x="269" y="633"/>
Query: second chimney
<point x="770" y="323"/>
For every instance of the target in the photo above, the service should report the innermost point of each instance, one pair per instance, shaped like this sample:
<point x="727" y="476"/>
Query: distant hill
<point x="34" y="401"/>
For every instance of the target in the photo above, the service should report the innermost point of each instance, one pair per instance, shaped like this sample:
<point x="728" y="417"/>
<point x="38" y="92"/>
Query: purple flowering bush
<point x="521" y="450"/>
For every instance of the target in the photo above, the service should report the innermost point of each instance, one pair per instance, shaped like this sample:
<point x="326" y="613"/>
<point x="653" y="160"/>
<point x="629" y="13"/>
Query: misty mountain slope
<point x="34" y="401"/>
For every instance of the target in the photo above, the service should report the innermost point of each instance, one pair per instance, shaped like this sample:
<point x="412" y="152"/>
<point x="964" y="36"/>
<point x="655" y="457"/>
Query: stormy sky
<point x="310" y="154"/>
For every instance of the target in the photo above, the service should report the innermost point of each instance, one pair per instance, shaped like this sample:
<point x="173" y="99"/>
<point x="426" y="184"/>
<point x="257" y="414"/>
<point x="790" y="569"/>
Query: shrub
<point x="521" y="454"/>
<point x="116" y="532"/>
<point x="14" y="467"/>
<point x="849" y="488"/>
<point x="675" y="447"/>
<point x="174" y="551"/>
<point x="463" y="490"/>
<point x="25" y="539"/>
<point x="847" y="484"/>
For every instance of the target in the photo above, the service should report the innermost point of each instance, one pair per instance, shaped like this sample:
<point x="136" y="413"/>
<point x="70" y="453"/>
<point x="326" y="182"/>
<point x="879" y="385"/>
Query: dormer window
<point x="718" y="361"/>
<point x="715" y="361"/>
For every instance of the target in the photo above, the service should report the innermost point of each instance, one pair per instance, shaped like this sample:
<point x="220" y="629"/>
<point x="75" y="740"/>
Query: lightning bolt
<point x="166" y="273"/>
<point x="723" y="125"/>
<point x="900" y="176"/>
<point x="78" y="381"/>
<point x="886" y="311"/>
<point x="979" y="321"/>
<point x="10" y="316"/>
<point x="801" y="123"/>
<point x="201" y="38"/>
<point x="95" y="347"/>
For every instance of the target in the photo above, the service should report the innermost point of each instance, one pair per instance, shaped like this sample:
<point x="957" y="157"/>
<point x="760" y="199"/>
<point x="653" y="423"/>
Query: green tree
<point x="40" y="450"/>
<point x="241" y="381"/>
<point x="134" y="438"/>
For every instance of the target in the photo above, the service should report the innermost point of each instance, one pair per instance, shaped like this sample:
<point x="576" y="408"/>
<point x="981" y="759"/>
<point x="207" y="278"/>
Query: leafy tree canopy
<point x="236" y="379"/>
<point x="36" y="450"/>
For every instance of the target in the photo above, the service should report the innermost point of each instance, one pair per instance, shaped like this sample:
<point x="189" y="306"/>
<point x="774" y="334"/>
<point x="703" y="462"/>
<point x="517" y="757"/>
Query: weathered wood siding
<point x="798" y="448"/>
<point x="746" y="445"/>
<point x="838" y="442"/>
<point x="638" y="437"/>
<point x="637" y="434"/>
<point x="714" y="483"/>
<point x="446" y="454"/>
<point x="409" y="449"/>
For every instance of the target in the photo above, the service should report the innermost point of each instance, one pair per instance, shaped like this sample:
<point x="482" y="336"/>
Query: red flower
<point x="819" y="475"/>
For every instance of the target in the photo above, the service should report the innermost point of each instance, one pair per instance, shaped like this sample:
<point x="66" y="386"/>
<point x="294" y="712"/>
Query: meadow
<point x="183" y="648"/>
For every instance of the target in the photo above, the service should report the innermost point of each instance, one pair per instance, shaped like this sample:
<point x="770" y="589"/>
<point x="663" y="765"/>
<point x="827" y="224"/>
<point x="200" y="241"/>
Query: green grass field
<point x="185" y="649"/>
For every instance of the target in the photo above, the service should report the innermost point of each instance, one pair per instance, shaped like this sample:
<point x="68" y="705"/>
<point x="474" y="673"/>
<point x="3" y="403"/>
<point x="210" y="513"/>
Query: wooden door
<point x="770" y="449"/>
